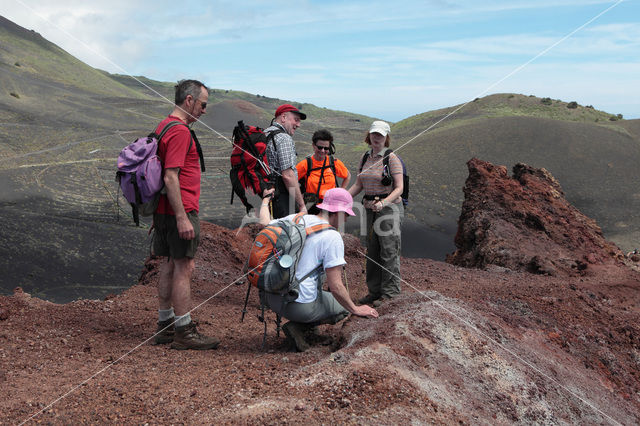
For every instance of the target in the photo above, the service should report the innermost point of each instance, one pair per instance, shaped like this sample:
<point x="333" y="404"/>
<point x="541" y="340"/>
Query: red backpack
<point x="249" y="165"/>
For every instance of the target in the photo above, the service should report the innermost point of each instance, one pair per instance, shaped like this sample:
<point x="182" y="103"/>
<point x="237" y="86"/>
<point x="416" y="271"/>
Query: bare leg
<point x="181" y="289"/>
<point x="165" y="285"/>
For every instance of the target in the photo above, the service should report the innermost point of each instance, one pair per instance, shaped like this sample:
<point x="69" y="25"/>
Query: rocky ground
<point x="493" y="345"/>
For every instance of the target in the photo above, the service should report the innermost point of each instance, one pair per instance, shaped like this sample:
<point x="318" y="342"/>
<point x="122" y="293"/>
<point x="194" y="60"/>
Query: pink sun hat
<point x="337" y="200"/>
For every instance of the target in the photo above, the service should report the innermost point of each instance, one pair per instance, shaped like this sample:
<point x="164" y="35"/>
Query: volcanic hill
<point x="463" y="345"/>
<point x="64" y="122"/>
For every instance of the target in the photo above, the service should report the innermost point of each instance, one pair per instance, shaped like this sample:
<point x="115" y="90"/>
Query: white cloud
<point x="399" y="51"/>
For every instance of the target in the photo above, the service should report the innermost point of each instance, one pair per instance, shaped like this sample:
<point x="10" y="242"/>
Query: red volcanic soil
<point x="492" y="345"/>
<point x="523" y="222"/>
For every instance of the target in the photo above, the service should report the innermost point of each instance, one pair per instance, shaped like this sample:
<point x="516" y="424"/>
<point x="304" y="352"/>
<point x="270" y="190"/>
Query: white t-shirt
<point x="322" y="248"/>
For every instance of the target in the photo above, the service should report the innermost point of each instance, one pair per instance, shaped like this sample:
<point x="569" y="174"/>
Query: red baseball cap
<point x="287" y="107"/>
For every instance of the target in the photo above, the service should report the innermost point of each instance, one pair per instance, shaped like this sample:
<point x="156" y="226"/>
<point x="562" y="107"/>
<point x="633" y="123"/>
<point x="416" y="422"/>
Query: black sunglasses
<point x="326" y="148"/>
<point x="202" y="104"/>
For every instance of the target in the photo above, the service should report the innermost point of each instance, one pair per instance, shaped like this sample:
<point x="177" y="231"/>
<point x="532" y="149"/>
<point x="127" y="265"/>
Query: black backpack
<point x="386" y="173"/>
<point x="303" y="181"/>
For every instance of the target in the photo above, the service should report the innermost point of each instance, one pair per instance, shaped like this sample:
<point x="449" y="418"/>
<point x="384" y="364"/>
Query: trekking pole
<point x="246" y="300"/>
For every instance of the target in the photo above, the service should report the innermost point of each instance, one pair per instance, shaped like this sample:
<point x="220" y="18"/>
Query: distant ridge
<point x="503" y="105"/>
<point x="25" y="34"/>
<point x="593" y="157"/>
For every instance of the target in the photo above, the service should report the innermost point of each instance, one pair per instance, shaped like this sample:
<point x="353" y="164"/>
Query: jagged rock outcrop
<point x="523" y="222"/>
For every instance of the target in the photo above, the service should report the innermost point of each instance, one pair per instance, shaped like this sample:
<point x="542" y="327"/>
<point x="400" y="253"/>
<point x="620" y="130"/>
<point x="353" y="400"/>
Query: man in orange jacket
<point x="320" y="172"/>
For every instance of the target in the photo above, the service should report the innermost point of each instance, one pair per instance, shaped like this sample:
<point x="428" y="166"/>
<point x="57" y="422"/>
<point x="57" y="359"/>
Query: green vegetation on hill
<point x="503" y="105"/>
<point x="27" y="53"/>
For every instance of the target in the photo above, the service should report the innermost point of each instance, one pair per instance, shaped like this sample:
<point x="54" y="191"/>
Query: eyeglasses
<point x="321" y="148"/>
<point x="203" y="105"/>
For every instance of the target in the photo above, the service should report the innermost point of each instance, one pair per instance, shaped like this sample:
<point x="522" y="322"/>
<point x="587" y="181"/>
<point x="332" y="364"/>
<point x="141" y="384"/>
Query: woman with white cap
<point x="382" y="200"/>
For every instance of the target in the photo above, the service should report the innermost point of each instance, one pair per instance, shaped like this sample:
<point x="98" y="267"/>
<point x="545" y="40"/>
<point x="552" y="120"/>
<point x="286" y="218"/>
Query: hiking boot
<point x="313" y="337"/>
<point x="380" y="301"/>
<point x="187" y="337"/>
<point x="368" y="299"/>
<point x="165" y="332"/>
<point x="295" y="332"/>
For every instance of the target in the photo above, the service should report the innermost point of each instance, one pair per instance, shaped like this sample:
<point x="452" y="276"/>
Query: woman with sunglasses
<point x="320" y="172"/>
<point x="384" y="209"/>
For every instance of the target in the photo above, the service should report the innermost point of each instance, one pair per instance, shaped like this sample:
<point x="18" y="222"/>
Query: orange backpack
<point x="275" y="253"/>
<point x="273" y="260"/>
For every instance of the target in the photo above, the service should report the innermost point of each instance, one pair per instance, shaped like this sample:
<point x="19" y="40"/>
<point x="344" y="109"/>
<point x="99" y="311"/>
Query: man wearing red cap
<point x="281" y="154"/>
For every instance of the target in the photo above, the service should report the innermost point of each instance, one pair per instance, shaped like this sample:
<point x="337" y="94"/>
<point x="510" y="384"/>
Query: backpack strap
<point x="313" y="230"/>
<point x="365" y="157"/>
<point x="166" y="128"/>
<point x="318" y="228"/>
<point x="306" y="179"/>
<point x="311" y="272"/>
<point x="309" y="166"/>
<point x="385" y="164"/>
<point x="271" y="136"/>
<point x="173" y="123"/>
<point x="385" y="159"/>
<point x="198" y="149"/>
<point x="332" y="164"/>
<point x="298" y="217"/>
<point x="321" y="177"/>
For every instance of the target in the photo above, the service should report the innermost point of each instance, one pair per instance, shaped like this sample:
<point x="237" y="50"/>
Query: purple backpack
<point x="140" y="173"/>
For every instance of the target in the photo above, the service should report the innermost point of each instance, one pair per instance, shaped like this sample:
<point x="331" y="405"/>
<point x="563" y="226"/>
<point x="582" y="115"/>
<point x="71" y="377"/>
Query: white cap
<point x="380" y="127"/>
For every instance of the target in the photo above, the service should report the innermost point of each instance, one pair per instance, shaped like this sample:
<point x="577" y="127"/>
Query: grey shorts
<point x="167" y="242"/>
<point x="324" y="310"/>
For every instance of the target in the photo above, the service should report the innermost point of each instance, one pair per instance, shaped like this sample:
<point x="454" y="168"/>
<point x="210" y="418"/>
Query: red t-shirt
<point x="172" y="151"/>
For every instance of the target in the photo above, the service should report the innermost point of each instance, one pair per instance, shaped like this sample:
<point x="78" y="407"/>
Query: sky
<point x="388" y="60"/>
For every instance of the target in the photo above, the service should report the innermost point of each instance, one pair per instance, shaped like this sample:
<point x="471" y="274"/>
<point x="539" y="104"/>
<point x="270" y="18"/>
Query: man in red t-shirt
<point x="176" y="224"/>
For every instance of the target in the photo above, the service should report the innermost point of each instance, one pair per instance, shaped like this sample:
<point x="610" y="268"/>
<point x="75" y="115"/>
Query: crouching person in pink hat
<point x="322" y="259"/>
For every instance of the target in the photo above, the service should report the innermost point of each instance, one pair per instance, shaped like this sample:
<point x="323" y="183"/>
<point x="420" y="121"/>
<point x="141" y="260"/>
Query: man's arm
<point x="334" y="279"/>
<point x="291" y="182"/>
<point x="264" y="215"/>
<point x="172" y="183"/>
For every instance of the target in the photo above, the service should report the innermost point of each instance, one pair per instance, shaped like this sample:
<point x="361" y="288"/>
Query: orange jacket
<point x="328" y="180"/>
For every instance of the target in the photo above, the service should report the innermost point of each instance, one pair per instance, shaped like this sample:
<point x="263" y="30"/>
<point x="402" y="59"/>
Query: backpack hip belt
<point x="374" y="196"/>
